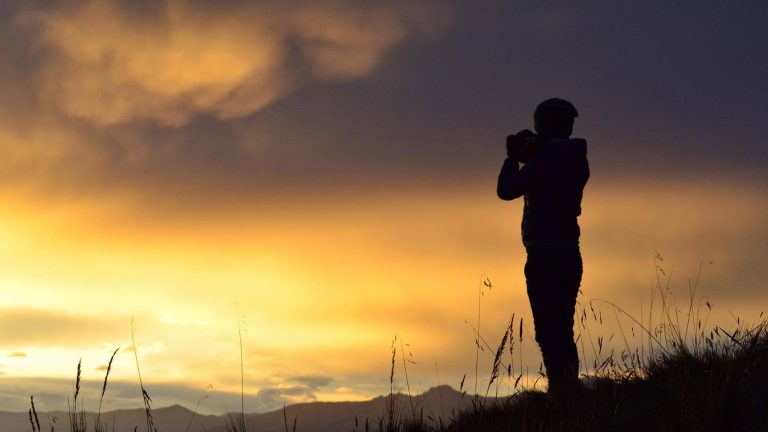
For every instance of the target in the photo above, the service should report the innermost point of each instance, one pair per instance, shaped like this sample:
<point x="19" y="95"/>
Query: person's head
<point x="554" y="117"/>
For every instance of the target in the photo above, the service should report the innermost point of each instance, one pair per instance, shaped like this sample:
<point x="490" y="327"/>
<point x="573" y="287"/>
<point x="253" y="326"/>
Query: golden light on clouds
<point x="109" y="62"/>
<point x="330" y="282"/>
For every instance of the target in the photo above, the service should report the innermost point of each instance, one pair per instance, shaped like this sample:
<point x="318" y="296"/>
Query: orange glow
<point x="330" y="283"/>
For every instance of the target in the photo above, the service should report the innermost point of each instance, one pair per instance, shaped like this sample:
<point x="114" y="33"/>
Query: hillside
<point x="718" y="385"/>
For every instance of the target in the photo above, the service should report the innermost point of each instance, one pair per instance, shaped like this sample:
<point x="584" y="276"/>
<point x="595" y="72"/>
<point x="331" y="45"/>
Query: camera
<point x="520" y="146"/>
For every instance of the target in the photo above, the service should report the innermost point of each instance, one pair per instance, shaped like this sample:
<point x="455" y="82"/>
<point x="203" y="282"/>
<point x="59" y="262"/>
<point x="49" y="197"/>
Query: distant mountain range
<point x="438" y="402"/>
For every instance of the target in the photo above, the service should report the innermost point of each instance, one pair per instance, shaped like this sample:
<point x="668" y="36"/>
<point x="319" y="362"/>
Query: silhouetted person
<point x="551" y="181"/>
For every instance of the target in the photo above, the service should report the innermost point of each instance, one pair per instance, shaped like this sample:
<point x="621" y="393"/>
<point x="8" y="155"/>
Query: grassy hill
<point x="721" y="385"/>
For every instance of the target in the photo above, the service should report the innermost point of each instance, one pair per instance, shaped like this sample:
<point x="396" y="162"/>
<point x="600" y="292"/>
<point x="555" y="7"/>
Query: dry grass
<point x="100" y="427"/>
<point x="34" y="420"/>
<point x="144" y="395"/>
<point x="235" y="423"/>
<point x="75" y="411"/>
<point x="683" y="375"/>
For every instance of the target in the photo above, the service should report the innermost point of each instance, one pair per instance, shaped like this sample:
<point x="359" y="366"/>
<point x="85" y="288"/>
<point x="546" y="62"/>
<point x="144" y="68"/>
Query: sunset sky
<point x="328" y="169"/>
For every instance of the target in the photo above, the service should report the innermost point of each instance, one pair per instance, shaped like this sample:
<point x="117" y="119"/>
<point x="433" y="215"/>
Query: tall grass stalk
<point x="285" y="420"/>
<point x="75" y="412"/>
<point x="440" y="393"/>
<point x="405" y="374"/>
<point x="197" y="406"/>
<point x="241" y="426"/>
<point x="497" y="359"/>
<point x="144" y="395"/>
<point x="388" y="422"/>
<point x="33" y="416"/>
<point x="484" y="283"/>
<point x="99" y="426"/>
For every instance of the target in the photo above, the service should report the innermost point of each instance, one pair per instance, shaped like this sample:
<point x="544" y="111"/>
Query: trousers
<point x="553" y="278"/>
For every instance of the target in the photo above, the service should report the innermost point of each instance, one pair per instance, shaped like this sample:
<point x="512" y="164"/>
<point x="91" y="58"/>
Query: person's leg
<point x="540" y="280"/>
<point x="553" y="279"/>
<point x="568" y="284"/>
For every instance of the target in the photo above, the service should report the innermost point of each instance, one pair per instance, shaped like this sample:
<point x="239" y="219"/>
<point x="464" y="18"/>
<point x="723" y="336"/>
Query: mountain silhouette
<point x="442" y="401"/>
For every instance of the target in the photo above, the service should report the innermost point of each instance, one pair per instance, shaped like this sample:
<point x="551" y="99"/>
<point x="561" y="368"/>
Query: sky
<point x="316" y="178"/>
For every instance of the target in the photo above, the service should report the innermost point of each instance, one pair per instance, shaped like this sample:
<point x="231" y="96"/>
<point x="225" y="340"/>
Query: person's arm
<point x="514" y="181"/>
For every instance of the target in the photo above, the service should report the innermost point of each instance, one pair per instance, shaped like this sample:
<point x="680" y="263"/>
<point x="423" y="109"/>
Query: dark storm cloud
<point x="348" y="95"/>
<point x="660" y="87"/>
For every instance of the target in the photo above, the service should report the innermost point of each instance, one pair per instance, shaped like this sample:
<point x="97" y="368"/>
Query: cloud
<point x="313" y="381"/>
<point x="51" y="394"/>
<point x="27" y="326"/>
<point x="112" y="62"/>
<point x="278" y="396"/>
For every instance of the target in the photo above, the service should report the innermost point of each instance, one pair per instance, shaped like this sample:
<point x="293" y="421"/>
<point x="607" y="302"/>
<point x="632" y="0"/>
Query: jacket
<point x="552" y="183"/>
